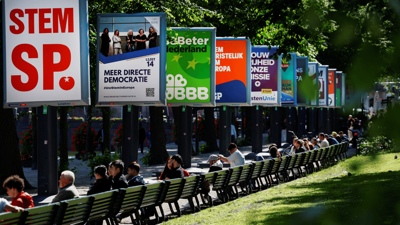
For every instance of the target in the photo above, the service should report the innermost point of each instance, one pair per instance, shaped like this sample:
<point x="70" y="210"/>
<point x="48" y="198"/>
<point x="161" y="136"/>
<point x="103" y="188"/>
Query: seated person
<point x="215" y="163"/>
<point x="236" y="158"/>
<point x="6" y="206"/>
<point x="102" y="182"/>
<point x="167" y="168"/>
<point x="133" y="177"/>
<point x="324" y="143"/>
<point x="176" y="169"/>
<point x="293" y="147"/>
<point x="259" y="157"/>
<point x="306" y="144"/>
<point x="332" y="141"/>
<point x="315" y="143"/>
<point x="299" y="146"/>
<point x="67" y="187"/>
<point x="118" y="180"/>
<point x="343" y="137"/>
<point x="273" y="151"/>
<point x="15" y="189"/>
<point x="336" y="136"/>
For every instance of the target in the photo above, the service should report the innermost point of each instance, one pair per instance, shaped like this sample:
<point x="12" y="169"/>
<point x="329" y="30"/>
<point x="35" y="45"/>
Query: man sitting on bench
<point x="67" y="187"/>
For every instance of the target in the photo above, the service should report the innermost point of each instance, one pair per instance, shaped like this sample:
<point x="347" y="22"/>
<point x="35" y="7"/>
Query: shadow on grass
<point x="357" y="199"/>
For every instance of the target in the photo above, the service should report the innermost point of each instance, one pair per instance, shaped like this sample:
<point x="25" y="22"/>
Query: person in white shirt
<point x="235" y="159"/>
<point x="5" y="205"/>
<point x="117" y="43"/>
<point x="324" y="143"/>
<point x="233" y="133"/>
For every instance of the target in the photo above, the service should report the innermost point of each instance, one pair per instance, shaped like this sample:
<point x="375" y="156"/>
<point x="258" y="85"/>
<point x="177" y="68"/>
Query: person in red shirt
<point x="15" y="186"/>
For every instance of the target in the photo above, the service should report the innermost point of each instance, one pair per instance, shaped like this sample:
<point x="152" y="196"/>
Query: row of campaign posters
<point x="204" y="70"/>
<point x="139" y="65"/>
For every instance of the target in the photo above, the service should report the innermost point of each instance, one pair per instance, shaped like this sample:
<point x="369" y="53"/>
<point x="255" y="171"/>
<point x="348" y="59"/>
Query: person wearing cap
<point x="336" y="136"/>
<point x="176" y="169"/>
<point x="235" y="159"/>
<point x="215" y="163"/>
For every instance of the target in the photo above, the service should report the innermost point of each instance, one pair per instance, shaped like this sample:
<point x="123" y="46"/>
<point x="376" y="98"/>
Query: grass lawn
<point x="371" y="195"/>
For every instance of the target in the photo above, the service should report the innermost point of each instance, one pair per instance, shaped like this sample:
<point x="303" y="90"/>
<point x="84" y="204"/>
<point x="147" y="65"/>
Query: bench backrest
<point x="191" y="186"/>
<point x="235" y="175"/>
<point x="284" y="163"/>
<point x="275" y="167"/>
<point x="153" y="194"/>
<point x="247" y="171"/>
<point x="74" y="211"/>
<point x="257" y="168"/>
<point x="172" y="190"/>
<point x="300" y="160"/>
<point x="312" y="156"/>
<point x="128" y="199"/>
<point x="42" y="214"/>
<point x="221" y="179"/>
<point x="306" y="158"/>
<point x="318" y="155"/>
<point x="12" y="218"/>
<point x="268" y="164"/>
<point x="293" y="161"/>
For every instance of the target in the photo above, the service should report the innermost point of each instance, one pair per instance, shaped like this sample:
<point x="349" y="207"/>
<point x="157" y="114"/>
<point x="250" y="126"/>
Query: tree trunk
<point x="176" y="111"/>
<point x="211" y="136"/>
<point x="158" y="151"/>
<point x="10" y="160"/>
<point x="247" y="129"/>
<point x="63" y="148"/>
<point x="107" y="127"/>
<point x="88" y="149"/>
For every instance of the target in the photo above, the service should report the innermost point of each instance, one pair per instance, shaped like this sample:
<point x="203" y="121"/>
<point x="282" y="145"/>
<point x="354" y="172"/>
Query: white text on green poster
<point x="188" y="67"/>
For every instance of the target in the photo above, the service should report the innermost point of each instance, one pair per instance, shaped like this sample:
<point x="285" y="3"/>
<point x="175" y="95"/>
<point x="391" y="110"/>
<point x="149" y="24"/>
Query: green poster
<point x="190" y="67"/>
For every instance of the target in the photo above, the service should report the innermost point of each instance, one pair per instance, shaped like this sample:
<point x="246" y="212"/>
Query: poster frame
<point x="317" y="85"/>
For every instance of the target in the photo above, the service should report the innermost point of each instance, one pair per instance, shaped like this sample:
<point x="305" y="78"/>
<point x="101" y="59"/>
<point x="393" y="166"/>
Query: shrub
<point x="243" y="142"/>
<point x="205" y="148"/>
<point x="101" y="160"/>
<point x="374" y="145"/>
<point x="79" y="139"/>
<point x="146" y="159"/>
<point x="117" y="140"/>
<point x="26" y="144"/>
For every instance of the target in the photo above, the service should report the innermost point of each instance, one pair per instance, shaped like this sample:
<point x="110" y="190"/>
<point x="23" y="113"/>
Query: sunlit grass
<point x="368" y="196"/>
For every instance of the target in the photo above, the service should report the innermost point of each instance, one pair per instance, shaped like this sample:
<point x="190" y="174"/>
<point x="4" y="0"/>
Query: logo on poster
<point x="176" y="87"/>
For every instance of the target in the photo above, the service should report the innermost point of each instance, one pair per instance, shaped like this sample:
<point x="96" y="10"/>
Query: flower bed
<point x="78" y="142"/>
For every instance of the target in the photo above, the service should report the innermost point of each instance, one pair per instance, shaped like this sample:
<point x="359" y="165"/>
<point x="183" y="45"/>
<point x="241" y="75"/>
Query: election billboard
<point x="289" y="80"/>
<point x="191" y="67"/>
<point x="232" y="71"/>
<point x="338" y="88"/>
<point x="131" y="59"/>
<point x="313" y="75"/>
<point x="45" y="53"/>
<point x="302" y="81"/>
<point x="323" y="85"/>
<point x="331" y="87"/>
<point x="265" y="76"/>
<point x="343" y="90"/>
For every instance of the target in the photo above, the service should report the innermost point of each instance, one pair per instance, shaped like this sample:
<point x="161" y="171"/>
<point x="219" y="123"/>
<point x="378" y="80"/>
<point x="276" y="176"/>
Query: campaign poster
<point x="323" y="85"/>
<point x="289" y="80"/>
<point x="338" y="88"/>
<point x="232" y="71"/>
<point x="265" y="76"/>
<point x="45" y="53"/>
<point x="131" y="59"/>
<point x="313" y="75"/>
<point x="191" y="67"/>
<point x="331" y="87"/>
<point x="343" y="89"/>
<point x="302" y="81"/>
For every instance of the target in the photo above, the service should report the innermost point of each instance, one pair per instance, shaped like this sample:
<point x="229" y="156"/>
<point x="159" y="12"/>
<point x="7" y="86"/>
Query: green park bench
<point x="171" y="194"/>
<point x="257" y="168"/>
<point x="190" y="190"/>
<point x="75" y="211"/>
<point x="151" y="198"/>
<point x="220" y="184"/>
<point x="245" y="177"/>
<point x="42" y="214"/>
<point x="12" y="218"/>
<point x="128" y="201"/>
<point x="230" y="188"/>
<point x="268" y="164"/>
<point x="210" y="179"/>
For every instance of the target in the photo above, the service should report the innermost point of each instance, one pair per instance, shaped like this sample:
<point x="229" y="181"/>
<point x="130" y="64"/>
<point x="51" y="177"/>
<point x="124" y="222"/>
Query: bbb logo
<point x="218" y="96"/>
<point x="176" y="88"/>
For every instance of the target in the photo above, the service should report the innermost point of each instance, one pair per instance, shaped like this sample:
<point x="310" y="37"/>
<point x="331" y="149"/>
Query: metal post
<point x="34" y="138"/>
<point x="322" y="120"/>
<point x="257" y="126"/>
<point x="130" y="134"/>
<point x="301" y="121"/>
<point x="276" y="126"/>
<point x="290" y="123"/>
<point x="224" y="129"/>
<point x="185" y="137"/>
<point x="47" y="151"/>
<point x="312" y="120"/>
<point x="242" y="126"/>
<point x="197" y="134"/>
<point x="329" y="120"/>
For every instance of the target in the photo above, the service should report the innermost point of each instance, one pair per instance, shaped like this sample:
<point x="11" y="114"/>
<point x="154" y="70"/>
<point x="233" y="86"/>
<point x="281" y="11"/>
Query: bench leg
<point x="191" y="203"/>
<point x="178" y="210"/>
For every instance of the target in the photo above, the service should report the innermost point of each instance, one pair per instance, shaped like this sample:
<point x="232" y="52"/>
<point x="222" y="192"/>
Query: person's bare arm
<point x="14" y="209"/>
<point x="223" y="158"/>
